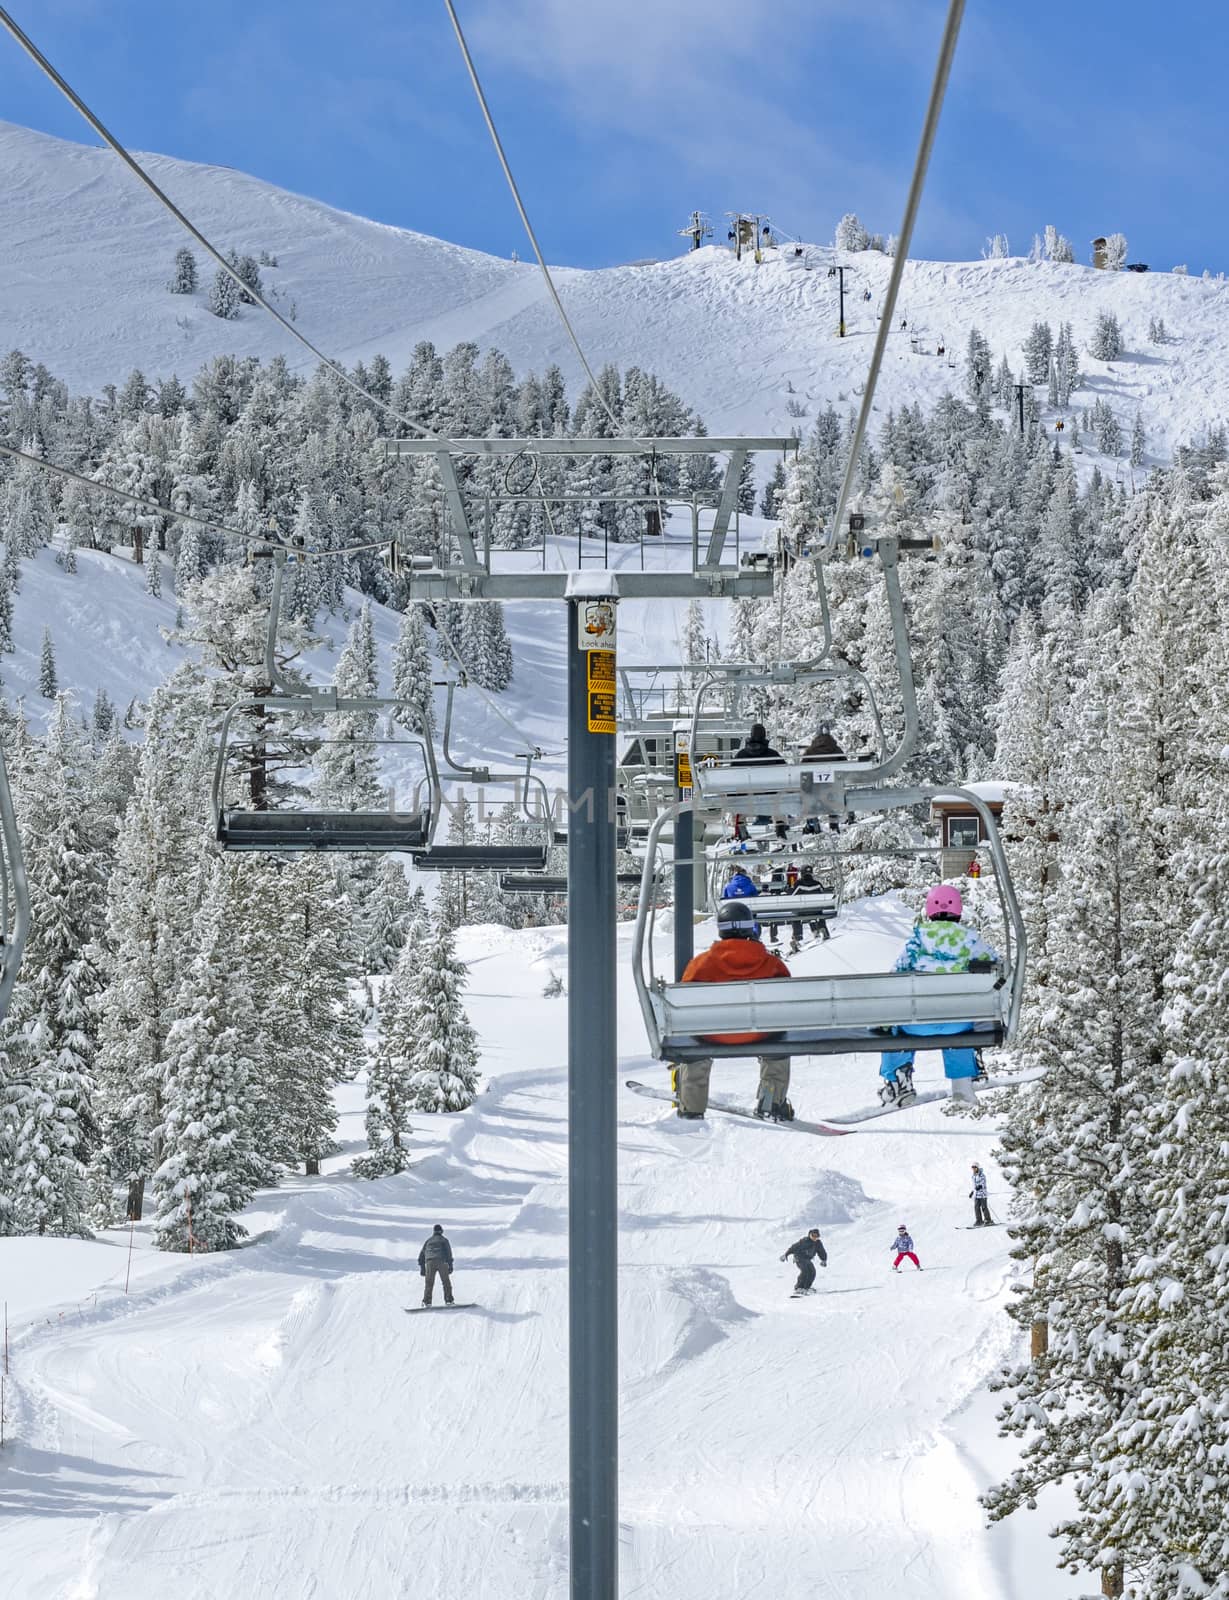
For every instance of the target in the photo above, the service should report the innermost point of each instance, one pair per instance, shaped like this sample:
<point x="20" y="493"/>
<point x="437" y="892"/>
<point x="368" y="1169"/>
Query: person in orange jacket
<point x="737" y="955"/>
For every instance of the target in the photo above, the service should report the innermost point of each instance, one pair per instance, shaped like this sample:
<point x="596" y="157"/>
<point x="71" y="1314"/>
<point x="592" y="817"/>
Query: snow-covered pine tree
<point x="387" y="1121"/>
<point x="205" y="1178"/>
<point x="1106" y="341"/>
<point x="48" y="681"/>
<point x="51" y="1028"/>
<point x="412" y="668"/>
<point x="348" y="765"/>
<point x="850" y="234"/>
<point x="183" y="272"/>
<point x="1038" y="348"/>
<point x="1139" y="440"/>
<point x="484" y="645"/>
<point x="1115" y="252"/>
<point x="445" y="1050"/>
<point x="223" y="296"/>
<point x="388" y="913"/>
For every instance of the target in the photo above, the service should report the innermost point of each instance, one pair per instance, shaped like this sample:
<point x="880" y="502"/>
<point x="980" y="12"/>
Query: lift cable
<point x="938" y="89"/>
<point x="537" y="250"/>
<point x="139" y="172"/>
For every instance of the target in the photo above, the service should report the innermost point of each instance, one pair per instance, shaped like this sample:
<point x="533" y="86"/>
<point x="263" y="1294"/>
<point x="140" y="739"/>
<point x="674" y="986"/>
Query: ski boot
<point x="981" y="1074"/>
<point x="898" y="1092"/>
<point x="782" y="1111"/>
<point x="764" y="1106"/>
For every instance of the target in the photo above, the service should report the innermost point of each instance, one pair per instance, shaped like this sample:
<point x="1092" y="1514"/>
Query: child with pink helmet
<point x="940" y="942"/>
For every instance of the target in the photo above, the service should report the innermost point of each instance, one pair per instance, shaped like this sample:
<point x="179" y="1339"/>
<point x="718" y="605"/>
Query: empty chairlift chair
<point x="256" y="808"/>
<point x="526" y="842"/>
<point x="836" y="1014"/>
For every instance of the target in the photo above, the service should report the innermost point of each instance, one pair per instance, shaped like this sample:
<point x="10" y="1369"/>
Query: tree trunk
<point x="1039" y="1340"/>
<point x="312" y="1166"/>
<point x="136" y="1199"/>
<point x="1112" y="1579"/>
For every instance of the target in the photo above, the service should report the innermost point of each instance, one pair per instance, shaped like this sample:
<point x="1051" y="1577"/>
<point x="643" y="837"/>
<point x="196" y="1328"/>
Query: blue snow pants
<point x="956" y="1063"/>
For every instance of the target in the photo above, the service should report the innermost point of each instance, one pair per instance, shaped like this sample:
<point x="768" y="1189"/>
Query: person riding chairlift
<point x="737" y="956"/>
<point x="939" y="943"/>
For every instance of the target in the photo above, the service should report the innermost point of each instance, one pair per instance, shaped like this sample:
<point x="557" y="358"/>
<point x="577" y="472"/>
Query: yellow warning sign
<point x="601" y="691"/>
<point x="682" y="760"/>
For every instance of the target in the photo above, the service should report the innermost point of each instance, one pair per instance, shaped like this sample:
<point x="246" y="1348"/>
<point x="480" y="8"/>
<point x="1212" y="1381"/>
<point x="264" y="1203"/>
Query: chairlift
<point x="790" y="905"/>
<point x="835" y="1014"/>
<point x="293" y="827"/>
<point x="14" y="894"/>
<point x="534" y="825"/>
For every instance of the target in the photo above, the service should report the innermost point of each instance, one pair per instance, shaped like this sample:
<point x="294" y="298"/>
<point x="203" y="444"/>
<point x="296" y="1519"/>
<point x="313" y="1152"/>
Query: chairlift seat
<point x="529" y="857"/>
<point x="353" y="831"/>
<point x="786" y="786"/>
<point x="828" y="1015"/>
<point x="774" y="908"/>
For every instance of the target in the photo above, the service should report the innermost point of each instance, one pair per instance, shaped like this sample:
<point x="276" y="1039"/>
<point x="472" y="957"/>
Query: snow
<point x="89" y="253"/>
<point x="270" y="1422"/>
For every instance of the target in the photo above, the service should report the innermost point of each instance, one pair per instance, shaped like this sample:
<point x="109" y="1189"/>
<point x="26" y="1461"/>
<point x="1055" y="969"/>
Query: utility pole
<point x="1019" y="388"/>
<point x="839" y="273"/>
<point x="593" y="1310"/>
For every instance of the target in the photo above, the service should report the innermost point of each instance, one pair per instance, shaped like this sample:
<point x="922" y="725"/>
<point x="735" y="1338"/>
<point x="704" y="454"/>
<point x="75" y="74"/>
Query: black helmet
<point x="736" y="920"/>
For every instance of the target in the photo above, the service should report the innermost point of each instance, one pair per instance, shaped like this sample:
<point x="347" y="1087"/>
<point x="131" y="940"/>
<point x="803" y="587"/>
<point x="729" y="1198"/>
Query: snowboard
<point x="457" y="1305"/>
<point x="729" y="1110"/>
<point x="927" y="1097"/>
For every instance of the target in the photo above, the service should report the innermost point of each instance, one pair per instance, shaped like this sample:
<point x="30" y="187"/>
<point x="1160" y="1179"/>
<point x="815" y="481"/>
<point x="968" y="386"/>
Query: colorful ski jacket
<point x="979" y="1185"/>
<point x="740" y="887"/>
<point x="903" y="1243"/>
<point x="943" y="947"/>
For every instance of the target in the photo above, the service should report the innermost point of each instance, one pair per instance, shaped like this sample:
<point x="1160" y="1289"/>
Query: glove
<point x="823" y="1263"/>
<point x="422" y="1272"/>
<point x="970" y="1194"/>
<point x="784" y="1258"/>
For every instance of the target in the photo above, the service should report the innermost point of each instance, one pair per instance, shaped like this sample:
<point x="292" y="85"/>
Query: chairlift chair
<point x="294" y="828"/>
<point x="834" y="1014"/>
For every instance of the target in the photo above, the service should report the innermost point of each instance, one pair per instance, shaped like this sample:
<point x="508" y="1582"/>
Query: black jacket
<point x="436" y="1249"/>
<point x="807" y="1249"/>
<point x="757" y="750"/>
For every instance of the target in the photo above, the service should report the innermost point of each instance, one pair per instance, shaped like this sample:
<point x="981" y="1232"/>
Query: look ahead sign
<point x="595" y="624"/>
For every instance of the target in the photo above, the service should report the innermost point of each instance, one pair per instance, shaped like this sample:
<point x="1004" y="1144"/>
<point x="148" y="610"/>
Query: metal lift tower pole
<point x="592" y="1079"/>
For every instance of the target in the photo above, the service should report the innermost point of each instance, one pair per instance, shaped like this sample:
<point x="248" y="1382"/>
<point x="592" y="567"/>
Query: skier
<point x="804" y="1253"/>
<point x="435" y="1260"/>
<point x="737" y="956"/>
<point x="777" y="884"/>
<point x="756" y="747"/>
<point x="739" y="886"/>
<point x="938" y="943"/>
<point x="808" y="883"/>
<point x="903" y="1245"/>
<point x="977" y="1194"/>
<point x="823" y="747"/>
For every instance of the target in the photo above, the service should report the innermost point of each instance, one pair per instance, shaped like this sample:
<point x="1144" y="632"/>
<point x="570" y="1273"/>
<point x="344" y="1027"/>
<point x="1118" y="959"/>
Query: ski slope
<point x="88" y="253"/>
<point x="270" y="1422"/>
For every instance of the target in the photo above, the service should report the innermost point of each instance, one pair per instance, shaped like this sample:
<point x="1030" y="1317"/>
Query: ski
<point x="933" y="1096"/>
<point x="457" y="1305"/>
<point x="729" y="1110"/>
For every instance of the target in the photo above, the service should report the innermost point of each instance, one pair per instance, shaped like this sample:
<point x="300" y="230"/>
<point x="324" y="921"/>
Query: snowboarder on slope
<point x="737" y="956"/>
<point x="903" y="1245"/>
<point x="804" y="1253"/>
<point x="435" y="1260"/>
<point x="977" y="1194"/>
<point x="939" y="943"/>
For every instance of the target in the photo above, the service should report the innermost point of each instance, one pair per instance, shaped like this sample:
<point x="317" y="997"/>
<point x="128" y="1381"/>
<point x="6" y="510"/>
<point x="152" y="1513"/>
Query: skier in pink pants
<point x="903" y="1245"/>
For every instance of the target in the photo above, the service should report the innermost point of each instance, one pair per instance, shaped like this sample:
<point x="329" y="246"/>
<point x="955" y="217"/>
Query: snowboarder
<point x="804" y="1254"/>
<point x="903" y="1245"/>
<point x="435" y="1260"/>
<point x="737" y="956"/>
<point x="739" y="886"/>
<point x="977" y="1194"/>
<point x="938" y="943"/>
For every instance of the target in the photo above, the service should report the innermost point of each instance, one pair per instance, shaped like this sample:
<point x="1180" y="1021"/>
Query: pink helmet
<point x="944" y="901"/>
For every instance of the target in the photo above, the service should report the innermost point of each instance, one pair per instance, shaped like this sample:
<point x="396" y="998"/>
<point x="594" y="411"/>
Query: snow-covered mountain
<point x="88" y="253"/>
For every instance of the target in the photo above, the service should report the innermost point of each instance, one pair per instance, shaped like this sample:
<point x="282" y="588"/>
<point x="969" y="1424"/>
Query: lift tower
<point x="468" y="567"/>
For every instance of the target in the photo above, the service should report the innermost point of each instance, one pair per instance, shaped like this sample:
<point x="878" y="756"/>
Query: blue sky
<point x="620" y="116"/>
